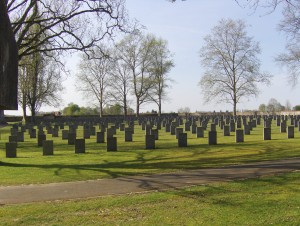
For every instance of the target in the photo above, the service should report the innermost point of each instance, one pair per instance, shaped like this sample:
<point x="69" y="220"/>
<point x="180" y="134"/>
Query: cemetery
<point x="87" y="148"/>
<point x="35" y="154"/>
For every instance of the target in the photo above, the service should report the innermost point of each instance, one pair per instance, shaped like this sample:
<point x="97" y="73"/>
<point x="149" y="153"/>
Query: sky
<point x="184" y="24"/>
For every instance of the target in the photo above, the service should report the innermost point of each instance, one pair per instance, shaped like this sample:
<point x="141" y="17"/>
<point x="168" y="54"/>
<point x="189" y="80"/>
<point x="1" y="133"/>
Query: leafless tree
<point x="93" y="77"/>
<point x="120" y="82"/>
<point x="39" y="83"/>
<point x="232" y="69"/>
<point x="161" y="64"/>
<point x="135" y="51"/>
<point x="66" y="25"/>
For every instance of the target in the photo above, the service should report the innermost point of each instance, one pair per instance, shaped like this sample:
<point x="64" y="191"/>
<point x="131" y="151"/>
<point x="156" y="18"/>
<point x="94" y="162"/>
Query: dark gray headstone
<point x="32" y="133"/>
<point x="11" y="150"/>
<point x="128" y="134"/>
<point x="267" y="134"/>
<point x="212" y="137"/>
<point x="178" y="131"/>
<point x="79" y="146"/>
<point x="155" y="133"/>
<point x="182" y="140"/>
<point x="100" y="137"/>
<point x="199" y="132"/>
<point x="65" y="134"/>
<point x="41" y="138"/>
<point x="111" y="144"/>
<point x="290" y="132"/>
<point x="226" y="130"/>
<point x="239" y="135"/>
<point x="71" y="138"/>
<point x="150" y="141"/>
<point x="48" y="147"/>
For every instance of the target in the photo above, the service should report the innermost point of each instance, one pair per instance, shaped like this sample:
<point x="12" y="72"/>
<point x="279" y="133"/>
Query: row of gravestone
<point x="151" y="134"/>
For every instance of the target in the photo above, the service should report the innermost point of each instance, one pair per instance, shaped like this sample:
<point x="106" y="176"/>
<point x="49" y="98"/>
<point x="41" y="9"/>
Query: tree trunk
<point x="137" y="106"/>
<point x="125" y="106"/>
<point x="234" y="108"/>
<point x="101" y="110"/>
<point x="2" y="119"/>
<point x="159" y="106"/>
<point x="33" y="113"/>
<point x="24" y="112"/>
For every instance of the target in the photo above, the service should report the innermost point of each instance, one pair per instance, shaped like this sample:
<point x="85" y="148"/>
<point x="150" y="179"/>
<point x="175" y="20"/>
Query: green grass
<point x="132" y="159"/>
<point x="266" y="201"/>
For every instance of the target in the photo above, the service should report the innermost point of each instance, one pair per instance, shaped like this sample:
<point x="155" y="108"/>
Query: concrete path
<point x="136" y="184"/>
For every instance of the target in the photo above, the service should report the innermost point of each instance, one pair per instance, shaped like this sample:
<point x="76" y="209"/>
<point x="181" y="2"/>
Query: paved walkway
<point x="136" y="184"/>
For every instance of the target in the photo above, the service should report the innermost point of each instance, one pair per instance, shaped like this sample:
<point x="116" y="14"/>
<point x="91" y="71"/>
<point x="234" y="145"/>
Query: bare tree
<point x="93" y="77"/>
<point x="65" y="25"/>
<point x="120" y="82"/>
<point x="135" y="51"/>
<point x="232" y="67"/>
<point x="39" y="83"/>
<point x="161" y="64"/>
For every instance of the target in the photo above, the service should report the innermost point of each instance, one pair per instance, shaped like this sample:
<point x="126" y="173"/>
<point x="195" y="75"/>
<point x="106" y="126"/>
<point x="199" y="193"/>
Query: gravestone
<point x="55" y="132"/>
<point x="199" y="132"/>
<point x="92" y="131"/>
<point x="71" y="138"/>
<point x="167" y="128"/>
<point x="232" y="126"/>
<point x="246" y="129"/>
<point x="150" y="141"/>
<point x="111" y="144"/>
<point x="20" y="136"/>
<point x="239" y="135"/>
<point x="32" y="133"/>
<point x="110" y="132"/>
<point x="65" y="134"/>
<point x="79" y="146"/>
<point x="100" y="137"/>
<point x="86" y="133"/>
<point x="182" y="140"/>
<point x="226" y="130"/>
<point x="128" y="134"/>
<point x="178" y="131"/>
<point x="187" y="126"/>
<point x="13" y="138"/>
<point x="41" y="138"/>
<point x="11" y="149"/>
<point x="155" y="133"/>
<point x="267" y="134"/>
<point x="48" y="147"/>
<point x="212" y="127"/>
<point x="290" y="132"/>
<point x="283" y="127"/>
<point x="194" y="128"/>
<point x="212" y="137"/>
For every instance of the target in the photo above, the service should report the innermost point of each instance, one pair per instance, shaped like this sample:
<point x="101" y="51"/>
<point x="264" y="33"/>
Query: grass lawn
<point x="266" y="201"/>
<point x="132" y="159"/>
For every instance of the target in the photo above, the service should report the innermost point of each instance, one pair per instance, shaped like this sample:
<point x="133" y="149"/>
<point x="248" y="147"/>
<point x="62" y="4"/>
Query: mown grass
<point x="132" y="158"/>
<point x="266" y="201"/>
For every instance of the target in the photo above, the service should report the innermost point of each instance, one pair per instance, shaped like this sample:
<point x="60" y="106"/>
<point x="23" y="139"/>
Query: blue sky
<point x="184" y="24"/>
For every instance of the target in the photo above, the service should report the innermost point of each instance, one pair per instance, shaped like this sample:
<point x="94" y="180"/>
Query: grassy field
<point x="265" y="201"/>
<point x="132" y="159"/>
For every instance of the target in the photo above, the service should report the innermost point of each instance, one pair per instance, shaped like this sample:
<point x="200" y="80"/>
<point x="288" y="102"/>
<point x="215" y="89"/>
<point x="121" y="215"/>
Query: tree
<point x="288" y="105"/>
<point x="184" y="110"/>
<point x="67" y="25"/>
<point x="229" y="56"/>
<point x="135" y="51"/>
<point x="93" y="77"/>
<point x="274" y="106"/>
<point x="262" y="108"/>
<point x="40" y="83"/>
<point x="71" y="109"/>
<point x="120" y="81"/>
<point x="8" y="64"/>
<point x="161" y="64"/>
<point x="296" y="108"/>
